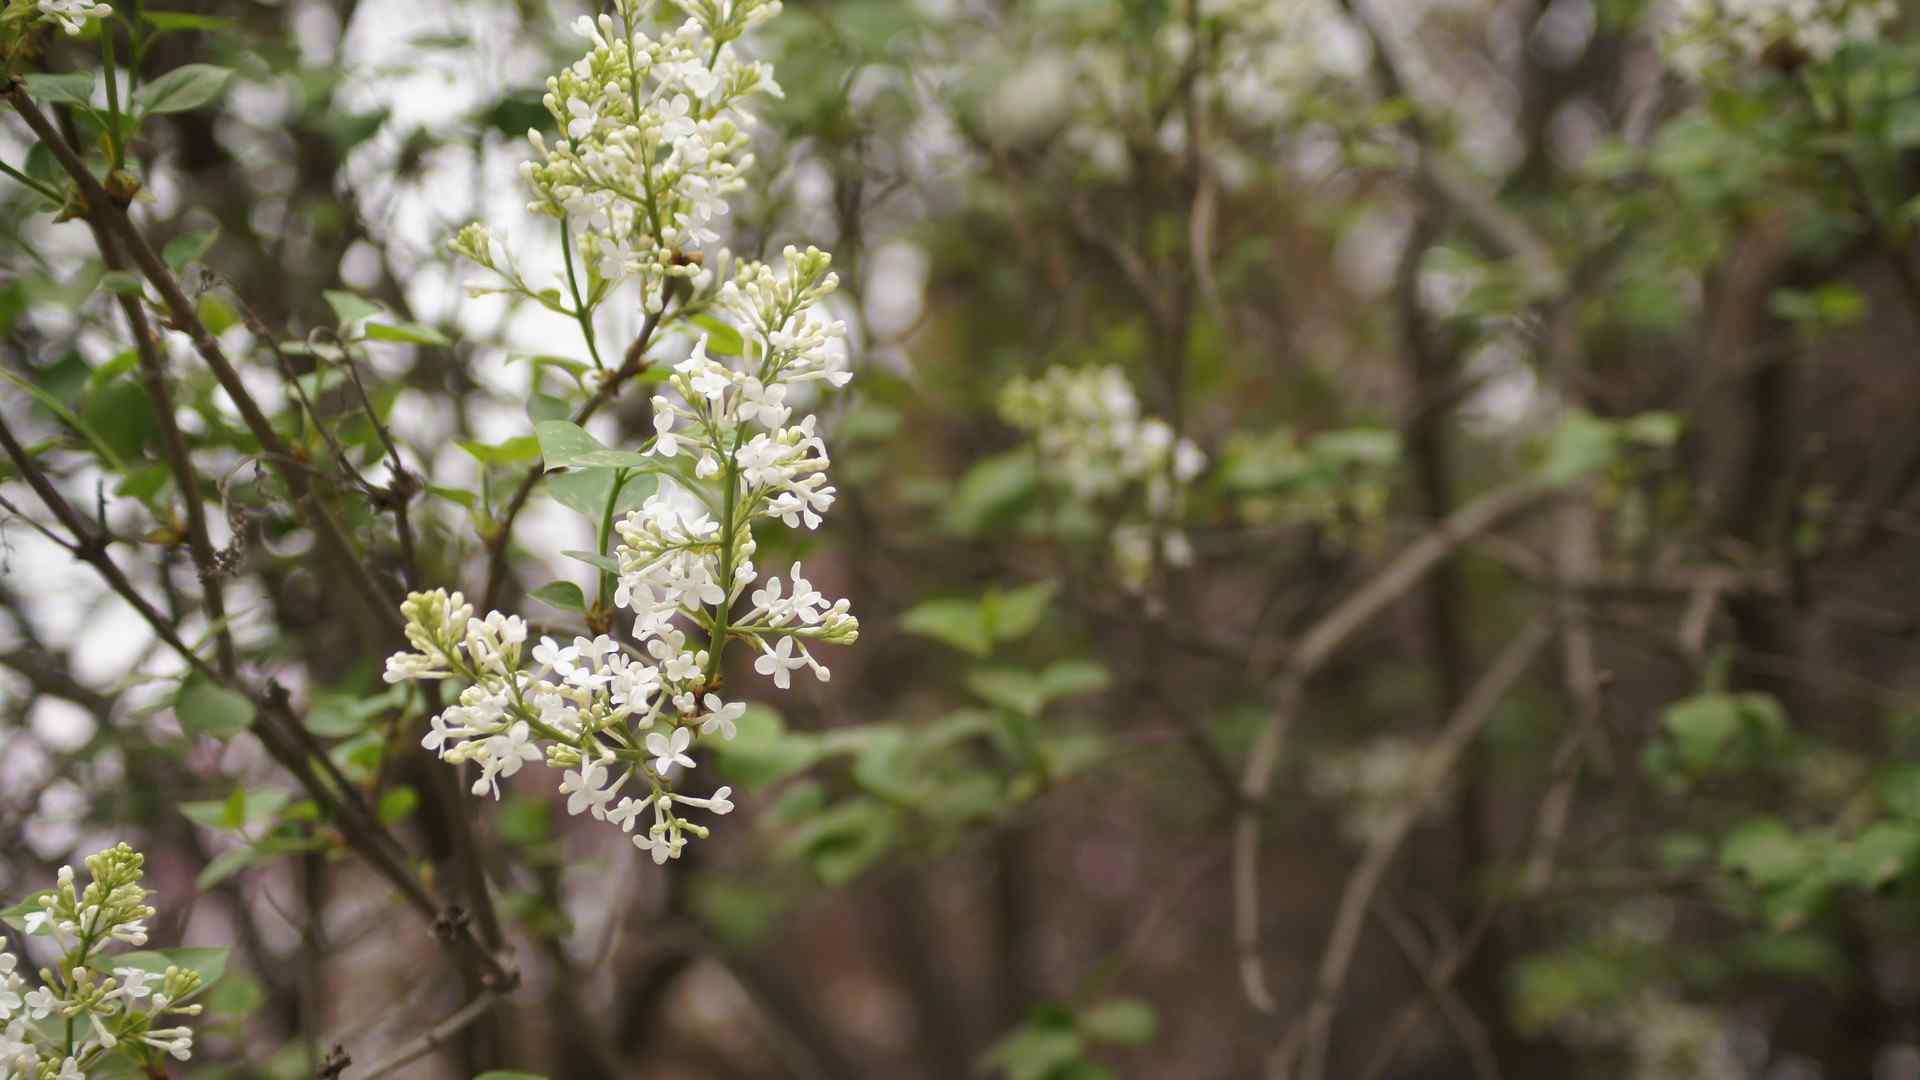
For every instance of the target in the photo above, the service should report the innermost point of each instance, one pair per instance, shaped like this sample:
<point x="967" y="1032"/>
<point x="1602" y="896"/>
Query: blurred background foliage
<point x="1623" y="784"/>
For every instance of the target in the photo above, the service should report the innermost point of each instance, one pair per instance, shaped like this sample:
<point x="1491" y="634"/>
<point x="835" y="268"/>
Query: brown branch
<point x="153" y="370"/>
<point x="359" y="823"/>
<point x="1497" y="227"/>
<point x="276" y="724"/>
<point x="435" y="1038"/>
<point x="1458" y="1015"/>
<point x="1362" y="885"/>
<point x="112" y="213"/>
<point x="1314" y="649"/>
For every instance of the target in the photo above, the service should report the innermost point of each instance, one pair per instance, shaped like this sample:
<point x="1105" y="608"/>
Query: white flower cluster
<point x="1706" y="34"/>
<point x="654" y="141"/>
<point x="71" y="15"/>
<point x="1665" y="1038"/>
<point x="597" y="707"/>
<point x="1373" y="782"/>
<point x="1087" y="426"/>
<point x="90" y="1017"/>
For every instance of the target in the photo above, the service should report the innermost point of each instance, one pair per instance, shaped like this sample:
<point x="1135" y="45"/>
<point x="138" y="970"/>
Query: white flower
<point x="585" y="789"/>
<point x="718" y="803"/>
<point x="721" y="716"/>
<point x="670" y="750"/>
<point x="549" y="654"/>
<point x="133" y="983"/>
<point x="72" y="15"/>
<point x="780" y="662"/>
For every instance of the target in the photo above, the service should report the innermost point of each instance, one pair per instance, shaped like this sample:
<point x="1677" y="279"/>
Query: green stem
<point x="44" y="189"/>
<point x="114" y="154"/>
<point x="580" y="310"/>
<point x="620" y="477"/>
<point x="717" y="640"/>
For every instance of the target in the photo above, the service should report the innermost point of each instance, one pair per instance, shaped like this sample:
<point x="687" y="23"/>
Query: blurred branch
<point x="1362" y="885"/>
<point x="1480" y="206"/>
<point x="1314" y="649"/>
<point x="1459" y="1016"/>
<point x="435" y="1038"/>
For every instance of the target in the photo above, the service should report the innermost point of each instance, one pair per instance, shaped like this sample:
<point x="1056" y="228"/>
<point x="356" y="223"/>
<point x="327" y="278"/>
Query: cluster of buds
<point x="652" y="138"/>
<point x="97" y="1010"/>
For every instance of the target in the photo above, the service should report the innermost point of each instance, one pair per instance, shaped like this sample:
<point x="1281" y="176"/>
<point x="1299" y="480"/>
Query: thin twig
<point x="1437" y="764"/>
<point x="1314" y="649"/>
<point x="435" y="1038"/>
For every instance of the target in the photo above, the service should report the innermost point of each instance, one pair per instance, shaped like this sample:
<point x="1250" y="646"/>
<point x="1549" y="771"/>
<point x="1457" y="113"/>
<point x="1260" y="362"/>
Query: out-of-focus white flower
<point x="72" y="15"/>
<point x="1707" y="35"/>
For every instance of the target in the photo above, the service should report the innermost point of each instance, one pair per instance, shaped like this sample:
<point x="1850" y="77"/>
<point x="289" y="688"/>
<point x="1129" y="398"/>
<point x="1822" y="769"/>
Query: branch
<point x="296" y="741"/>
<point x="112" y="214"/>
<point x="1439" y="762"/>
<point x="1499" y="227"/>
<point x="276" y="724"/>
<point x="1315" y="648"/>
<point x="435" y="1038"/>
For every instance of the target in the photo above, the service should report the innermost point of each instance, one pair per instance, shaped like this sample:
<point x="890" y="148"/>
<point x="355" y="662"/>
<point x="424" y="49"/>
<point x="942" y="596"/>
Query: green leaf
<point x="594" y="558"/>
<point x="1581" y="445"/>
<point x="511" y="452"/>
<point x="189" y="247"/>
<point x="959" y="623"/>
<point x="1884" y="852"/>
<point x="562" y="594"/>
<point x="1027" y="692"/>
<point x="763" y="752"/>
<point x="218" y="315"/>
<point x="399" y="804"/>
<point x="1071" y="678"/>
<point x="1701" y="728"/>
<point x="1033" y="1052"/>
<point x="1767" y="853"/>
<point x="207" y="709"/>
<point x="410" y="333"/>
<point x="841" y="842"/>
<point x="1126" y="1021"/>
<point x="122" y="283"/>
<point x="211" y="963"/>
<point x="989" y="490"/>
<point x="69" y="89"/>
<point x="1013" y="615"/>
<point x="568" y="445"/>
<point x="225" y="865"/>
<point x="244" y="809"/>
<point x="351" y="308"/>
<point x="165" y="21"/>
<point x="585" y="491"/>
<point x="722" y="340"/>
<point x="181" y="89"/>
<point x="340" y="715"/>
<point x="122" y="412"/>
<point x="1900" y="791"/>
<point x="57" y="408"/>
<point x="16" y="915"/>
<point x="1016" y="691"/>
